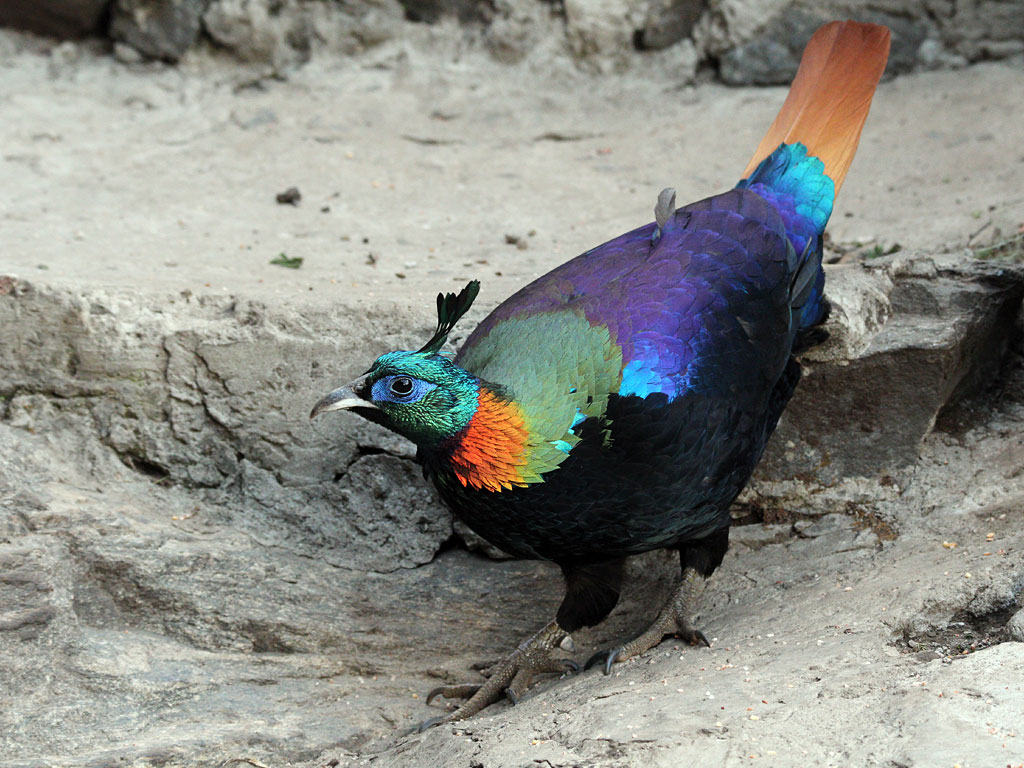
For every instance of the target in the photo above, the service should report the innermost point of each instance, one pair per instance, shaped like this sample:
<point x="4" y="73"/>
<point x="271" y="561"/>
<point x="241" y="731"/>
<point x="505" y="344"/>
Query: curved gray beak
<point x="343" y="398"/>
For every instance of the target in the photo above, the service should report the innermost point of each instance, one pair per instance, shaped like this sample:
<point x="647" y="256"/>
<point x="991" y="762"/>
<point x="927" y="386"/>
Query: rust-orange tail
<point x="830" y="96"/>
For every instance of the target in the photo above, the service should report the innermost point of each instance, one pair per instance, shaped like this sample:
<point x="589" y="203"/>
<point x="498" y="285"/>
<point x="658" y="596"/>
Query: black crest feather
<point x="449" y="309"/>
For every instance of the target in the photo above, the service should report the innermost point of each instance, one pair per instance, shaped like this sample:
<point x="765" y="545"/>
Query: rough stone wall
<point x="181" y="391"/>
<point x="743" y="41"/>
<point x="896" y="360"/>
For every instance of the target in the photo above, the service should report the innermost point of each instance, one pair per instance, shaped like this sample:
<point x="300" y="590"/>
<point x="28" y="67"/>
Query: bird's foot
<point x="511" y="676"/>
<point x="675" y="619"/>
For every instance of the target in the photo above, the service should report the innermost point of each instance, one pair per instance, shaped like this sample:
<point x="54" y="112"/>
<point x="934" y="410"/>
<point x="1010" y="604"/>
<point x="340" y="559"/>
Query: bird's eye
<point x="401" y="386"/>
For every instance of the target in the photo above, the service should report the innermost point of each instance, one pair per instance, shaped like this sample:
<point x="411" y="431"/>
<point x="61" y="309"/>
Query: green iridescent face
<point x="419" y="395"/>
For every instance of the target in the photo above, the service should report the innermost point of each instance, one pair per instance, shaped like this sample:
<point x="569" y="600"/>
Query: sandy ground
<point x="166" y="178"/>
<point x="416" y="172"/>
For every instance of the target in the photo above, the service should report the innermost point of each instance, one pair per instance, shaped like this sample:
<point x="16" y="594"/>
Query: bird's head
<point x="420" y="395"/>
<point x="424" y="397"/>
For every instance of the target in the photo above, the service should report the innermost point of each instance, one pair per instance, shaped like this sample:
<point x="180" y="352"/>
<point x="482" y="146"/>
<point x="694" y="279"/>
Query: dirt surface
<point x="163" y="601"/>
<point x="165" y="178"/>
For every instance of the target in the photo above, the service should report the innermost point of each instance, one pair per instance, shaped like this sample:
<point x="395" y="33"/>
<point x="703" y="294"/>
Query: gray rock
<point x="752" y="41"/>
<point x="515" y="29"/>
<point x="1015" y="626"/>
<point x="247" y="29"/>
<point x="836" y="533"/>
<point x="756" y="536"/>
<point x="668" y="22"/>
<point x="27" y="593"/>
<point x="908" y="35"/>
<point x="158" y="29"/>
<point x="432" y="11"/>
<point x="727" y="24"/>
<point x="600" y="32"/>
<point x="286" y="33"/>
<point x="771" y="56"/>
<point x="182" y="396"/>
<point x="378" y="516"/>
<point x="57" y="18"/>
<point x="870" y="396"/>
<point x="934" y="55"/>
<point x="981" y="30"/>
<point x="126" y="54"/>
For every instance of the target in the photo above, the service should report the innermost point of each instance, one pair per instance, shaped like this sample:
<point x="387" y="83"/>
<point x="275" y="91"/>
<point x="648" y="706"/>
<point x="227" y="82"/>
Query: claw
<point x="434" y="692"/>
<point x="698" y="637"/>
<point x="511" y="676"/>
<point x="675" y="619"/>
<point x="609" y="657"/>
<point x="426" y="725"/>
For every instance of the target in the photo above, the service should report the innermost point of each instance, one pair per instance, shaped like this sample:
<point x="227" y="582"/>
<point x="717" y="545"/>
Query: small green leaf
<point x="286" y="261"/>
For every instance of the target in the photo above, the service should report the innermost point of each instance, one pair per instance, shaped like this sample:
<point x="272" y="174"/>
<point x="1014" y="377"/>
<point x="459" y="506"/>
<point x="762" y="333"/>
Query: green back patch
<point x="554" y="365"/>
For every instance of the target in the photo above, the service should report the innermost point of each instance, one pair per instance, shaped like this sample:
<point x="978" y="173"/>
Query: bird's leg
<point x="698" y="559"/>
<point x="591" y="592"/>
<point x="512" y="675"/>
<point x="676" y="618"/>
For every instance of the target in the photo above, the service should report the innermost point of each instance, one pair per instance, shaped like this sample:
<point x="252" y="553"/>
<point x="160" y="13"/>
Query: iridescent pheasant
<point x="619" y="403"/>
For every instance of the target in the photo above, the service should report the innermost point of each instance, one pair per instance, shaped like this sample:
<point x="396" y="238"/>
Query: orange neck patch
<point x="492" y="452"/>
